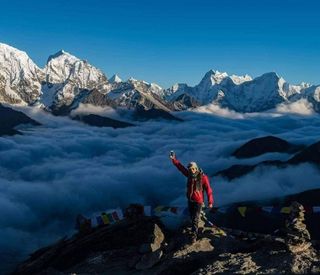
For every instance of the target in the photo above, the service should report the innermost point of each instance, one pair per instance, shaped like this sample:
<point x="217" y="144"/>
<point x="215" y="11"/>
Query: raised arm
<point x="180" y="167"/>
<point x="208" y="189"/>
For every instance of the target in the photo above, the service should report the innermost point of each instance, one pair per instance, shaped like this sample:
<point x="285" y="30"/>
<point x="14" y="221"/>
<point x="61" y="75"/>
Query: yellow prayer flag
<point x="285" y="210"/>
<point x="242" y="210"/>
<point x="105" y="218"/>
<point x="159" y="208"/>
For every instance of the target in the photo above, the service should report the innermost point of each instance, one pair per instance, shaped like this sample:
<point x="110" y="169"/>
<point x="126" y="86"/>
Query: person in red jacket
<point x="197" y="183"/>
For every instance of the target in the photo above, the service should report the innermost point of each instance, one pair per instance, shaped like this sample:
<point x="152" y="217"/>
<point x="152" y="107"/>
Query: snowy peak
<point x="67" y="81"/>
<point x="240" y="79"/>
<point x="209" y="87"/>
<point x="63" y="66"/>
<point x="115" y="79"/>
<point x="240" y="93"/>
<point x="59" y="54"/>
<point x="67" y="77"/>
<point x="16" y="60"/>
<point x="20" y="77"/>
<point x="212" y="77"/>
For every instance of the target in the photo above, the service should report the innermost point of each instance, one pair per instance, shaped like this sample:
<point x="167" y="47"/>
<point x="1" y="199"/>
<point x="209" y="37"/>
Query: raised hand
<point x="172" y="155"/>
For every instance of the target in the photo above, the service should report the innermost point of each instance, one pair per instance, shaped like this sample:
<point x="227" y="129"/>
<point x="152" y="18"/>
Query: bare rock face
<point x="202" y="245"/>
<point x="149" y="260"/>
<point x="298" y="241"/>
<point x="141" y="245"/>
<point x="116" y="244"/>
<point x="298" y="237"/>
<point x="184" y="102"/>
<point x="152" y="249"/>
<point x="231" y="264"/>
<point x="155" y="241"/>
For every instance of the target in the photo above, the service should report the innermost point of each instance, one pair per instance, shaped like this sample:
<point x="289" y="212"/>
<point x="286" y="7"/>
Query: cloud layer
<point x="63" y="168"/>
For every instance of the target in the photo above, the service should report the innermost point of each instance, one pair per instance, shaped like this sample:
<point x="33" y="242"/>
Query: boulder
<point x="155" y="241"/>
<point x="149" y="260"/>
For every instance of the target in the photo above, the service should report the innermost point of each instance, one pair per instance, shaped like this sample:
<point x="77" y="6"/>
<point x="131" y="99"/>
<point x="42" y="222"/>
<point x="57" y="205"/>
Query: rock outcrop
<point x="10" y="118"/>
<point x="142" y="245"/>
<point x="298" y="237"/>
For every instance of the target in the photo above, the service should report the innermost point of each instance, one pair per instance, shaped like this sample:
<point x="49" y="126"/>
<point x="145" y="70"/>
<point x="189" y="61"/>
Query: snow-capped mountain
<point x="67" y="77"/>
<point x="134" y="92"/>
<point x="20" y="78"/>
<point x="241" y="93"/>
<point x="115" y="79"/>
<point x="71" y="81"/>
<point x="66" y="81"/>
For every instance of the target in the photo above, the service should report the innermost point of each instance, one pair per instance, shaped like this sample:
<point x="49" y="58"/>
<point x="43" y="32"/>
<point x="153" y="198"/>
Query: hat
<point x="193" y="164"/>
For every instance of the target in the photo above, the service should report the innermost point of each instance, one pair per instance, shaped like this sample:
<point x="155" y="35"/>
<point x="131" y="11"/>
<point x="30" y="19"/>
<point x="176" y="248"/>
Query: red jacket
<point x="192" y="193"/>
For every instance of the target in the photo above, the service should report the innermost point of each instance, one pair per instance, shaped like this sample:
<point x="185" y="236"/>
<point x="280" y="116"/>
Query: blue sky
<point x="171" y="41"/>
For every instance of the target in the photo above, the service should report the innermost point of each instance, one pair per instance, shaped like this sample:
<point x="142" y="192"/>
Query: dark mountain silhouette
<point x="142" y="114"/>
<point x="310" y="154"/>
<point x="10" y="118"/>
<point x="262" y="145"/>
<point x="99" y="121"/>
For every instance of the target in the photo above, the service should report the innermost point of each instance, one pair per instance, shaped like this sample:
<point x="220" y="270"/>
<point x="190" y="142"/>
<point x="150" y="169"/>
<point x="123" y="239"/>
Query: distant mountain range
<point x="66" y="81"/>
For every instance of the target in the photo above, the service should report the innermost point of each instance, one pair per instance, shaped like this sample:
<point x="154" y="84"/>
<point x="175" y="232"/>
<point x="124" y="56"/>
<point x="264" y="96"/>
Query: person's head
<point x="193" y="168"/>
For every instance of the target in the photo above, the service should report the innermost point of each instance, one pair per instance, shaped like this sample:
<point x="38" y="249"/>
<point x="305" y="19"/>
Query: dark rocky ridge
<point x="99" y="121"/>
<point x="154" y="113"/>
<point x="10" y="118"/>
<point x="239" y="170"/>
<point x="310" y="154"/>
<point x="184" y="102"/>
<point x="262" y="145"/>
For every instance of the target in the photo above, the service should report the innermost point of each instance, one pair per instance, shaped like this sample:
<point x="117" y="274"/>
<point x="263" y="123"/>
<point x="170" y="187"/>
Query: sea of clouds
<point x="60" y="169"/>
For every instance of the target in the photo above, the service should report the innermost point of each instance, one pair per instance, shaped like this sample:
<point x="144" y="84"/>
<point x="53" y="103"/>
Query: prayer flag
<point x="158" y="208"/>
<point x="285" y="210"/>
<point x="105" y="218"/>
<point x="242" y="210"/>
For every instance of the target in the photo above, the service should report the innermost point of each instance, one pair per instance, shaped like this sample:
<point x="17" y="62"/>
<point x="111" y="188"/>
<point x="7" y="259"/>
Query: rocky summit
<point x="142" y="245"/>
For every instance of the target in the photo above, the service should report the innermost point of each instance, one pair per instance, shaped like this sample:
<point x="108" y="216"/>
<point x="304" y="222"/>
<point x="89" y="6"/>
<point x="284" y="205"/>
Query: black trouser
<point x="194" y="211"/>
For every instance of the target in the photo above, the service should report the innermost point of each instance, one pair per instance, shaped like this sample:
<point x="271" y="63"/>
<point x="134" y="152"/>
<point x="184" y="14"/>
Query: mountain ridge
<point x="66" y="81"/>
